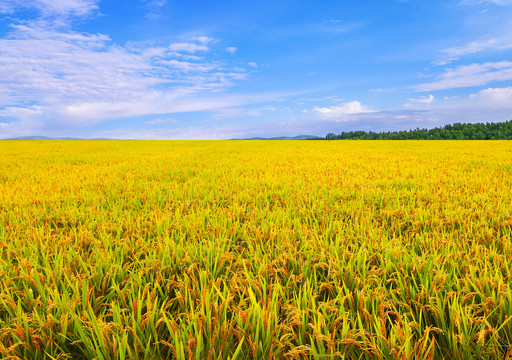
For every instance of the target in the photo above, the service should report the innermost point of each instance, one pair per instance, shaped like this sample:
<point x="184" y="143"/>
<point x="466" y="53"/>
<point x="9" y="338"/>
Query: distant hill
<point x="49" y="138"/>
<point x="298" y="137"/>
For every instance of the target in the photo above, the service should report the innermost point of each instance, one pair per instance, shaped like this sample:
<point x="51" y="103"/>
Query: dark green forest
<point x="457" y="131"/>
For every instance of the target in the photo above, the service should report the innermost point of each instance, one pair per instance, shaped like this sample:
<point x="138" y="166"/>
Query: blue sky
<point x="176" y="69"/>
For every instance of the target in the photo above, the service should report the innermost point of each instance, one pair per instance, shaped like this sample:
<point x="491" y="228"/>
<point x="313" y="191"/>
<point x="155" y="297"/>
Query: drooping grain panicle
<point x="255" y="250"/>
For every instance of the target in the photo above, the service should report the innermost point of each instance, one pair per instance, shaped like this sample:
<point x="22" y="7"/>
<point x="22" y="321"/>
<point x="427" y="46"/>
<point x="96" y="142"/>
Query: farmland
<point x="255" y="250"/>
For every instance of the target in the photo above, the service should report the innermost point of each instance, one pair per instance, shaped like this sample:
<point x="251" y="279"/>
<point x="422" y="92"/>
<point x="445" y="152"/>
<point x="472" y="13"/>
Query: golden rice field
<point x="255" y="250"/>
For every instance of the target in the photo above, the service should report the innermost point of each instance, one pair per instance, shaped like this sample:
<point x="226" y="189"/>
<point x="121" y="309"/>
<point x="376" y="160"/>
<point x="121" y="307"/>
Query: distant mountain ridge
<point x="50" y="138"/>
<point x="298" y="137"/>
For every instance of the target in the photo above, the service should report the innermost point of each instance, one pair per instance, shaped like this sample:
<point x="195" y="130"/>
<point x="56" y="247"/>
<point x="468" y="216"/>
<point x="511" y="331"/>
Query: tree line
<point x="457" y="131"/>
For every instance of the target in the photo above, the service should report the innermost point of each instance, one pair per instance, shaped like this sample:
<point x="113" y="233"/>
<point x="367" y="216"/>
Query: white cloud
<point x="252" y="64"/>
<point x="6" y="8"/>
<point x="204" y="39"/>
<point x="349" y="108"/>
<point x="483" y="101"/>
<point x="52" y="7"/>
<point x="380" y="90"/>
<point x="487" y="105"/>
<point x="20" y="112"/>
<point x="379" y="121"/>
<point x="179" y="101"/>
<point x="454" y="53"/>
<point x="493" y="97"/>
<point x="421" y="102"/>
<point x="231" y="113"/>
<point x="20" y="120"/>
<point x="496" y="2"/>
<point x="231" y="49"/>
<point x="469" y="75"/>
<point x="238" y="112"/>
<point x="160" y="121"/>
<point x="332" y="21"/>
<point x="37" y="64"/>
<point x="187" y="47"/>
<point x="186" y="66"/>
<point x="470" y="48"/>
<point x="183" y="133"/>
<point x="80" y="79"/>
<point x="154" y="8"/>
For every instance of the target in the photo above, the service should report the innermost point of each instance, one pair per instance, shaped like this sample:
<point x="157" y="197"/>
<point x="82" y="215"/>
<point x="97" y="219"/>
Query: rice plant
<point x="255" y="250"/>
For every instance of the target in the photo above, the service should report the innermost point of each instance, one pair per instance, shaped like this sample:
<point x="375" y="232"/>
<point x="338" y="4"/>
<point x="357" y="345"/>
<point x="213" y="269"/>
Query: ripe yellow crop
<point x="255" y="250"/>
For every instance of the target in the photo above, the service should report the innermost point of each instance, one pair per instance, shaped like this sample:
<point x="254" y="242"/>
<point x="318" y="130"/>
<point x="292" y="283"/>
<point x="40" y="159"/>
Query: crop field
<point x="255" y="250"/>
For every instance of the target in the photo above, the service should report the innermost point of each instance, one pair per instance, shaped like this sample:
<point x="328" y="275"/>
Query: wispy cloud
<point x="454" y="53"/>
<point x="482" y="101"/>
<point x="160" y="121"/>
<point x="186" y="66"/>
<point x="379" y="121"/>
<point x="154" y="8"/>
<point x="380" y="90"/>
<point x="204" y="132"/>
<point x="52" y="73"/>
<point x="18" y="111"/>
<point x="421" y="102"/>
<point x="181" y="133"/>
<point x="469" y="75"/>
<point x="495" y="2"/>
<point x="241" y="112"/>
<point x="188" y="47"/>
<point x="52" y="7"/>
<point x="336" y="26"/>
<point x="234" y="112"/>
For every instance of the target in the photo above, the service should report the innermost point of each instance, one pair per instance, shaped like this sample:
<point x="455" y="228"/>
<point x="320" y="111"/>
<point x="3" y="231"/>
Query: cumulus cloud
<point x="469" y="75"/>
<point x="482" y="101"/>
<point x="493" y="97"/>
<point x="231" y="49"/>
<point x="349" y="108"/>
<point x="492" y="104"/>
